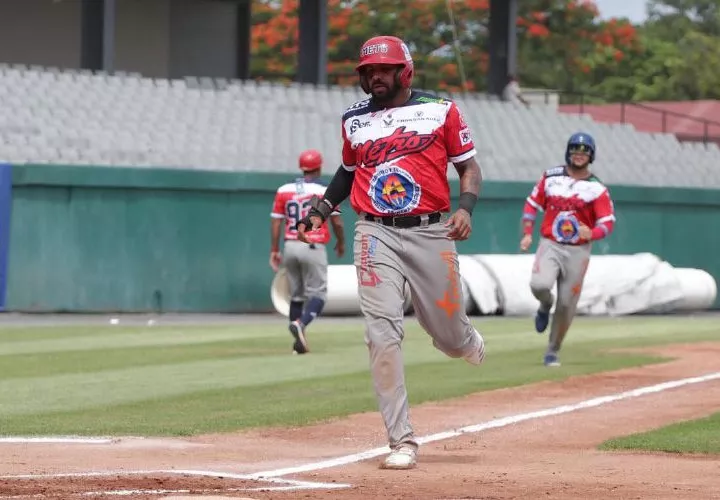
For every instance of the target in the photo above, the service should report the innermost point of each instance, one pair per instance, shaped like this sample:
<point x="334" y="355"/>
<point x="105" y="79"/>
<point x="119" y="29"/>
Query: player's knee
<point x="382" y="334"/>
<point x="317" y="295"/>
<point x="540" y="287"/>
<point x="456" y="346"/>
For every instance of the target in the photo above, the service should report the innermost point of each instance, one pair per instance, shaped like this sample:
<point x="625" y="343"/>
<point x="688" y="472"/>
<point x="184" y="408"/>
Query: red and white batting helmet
<point x="387" y="50"/>
<point x="310" y="160"/>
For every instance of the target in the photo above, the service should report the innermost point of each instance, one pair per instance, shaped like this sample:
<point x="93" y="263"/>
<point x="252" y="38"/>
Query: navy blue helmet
<point x="582" y="142"/>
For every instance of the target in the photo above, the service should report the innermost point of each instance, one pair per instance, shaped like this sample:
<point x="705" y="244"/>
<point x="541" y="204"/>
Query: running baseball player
<point x="396" y="148"/>
<point x="578" y="210"/>
<point x="305" y="265"/>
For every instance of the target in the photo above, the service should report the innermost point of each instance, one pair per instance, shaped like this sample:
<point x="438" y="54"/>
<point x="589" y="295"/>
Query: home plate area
<point x="149" y="484"/>
<point x="534" y="441"/>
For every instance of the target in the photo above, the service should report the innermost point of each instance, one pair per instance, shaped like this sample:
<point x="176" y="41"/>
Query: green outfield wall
<point x="99" y="239"/>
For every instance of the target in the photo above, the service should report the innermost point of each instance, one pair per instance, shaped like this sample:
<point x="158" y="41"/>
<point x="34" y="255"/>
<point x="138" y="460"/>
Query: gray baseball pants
<point x="385" y="259"/>
<point x="306" y="269"/>
<point x="566" y="265"/>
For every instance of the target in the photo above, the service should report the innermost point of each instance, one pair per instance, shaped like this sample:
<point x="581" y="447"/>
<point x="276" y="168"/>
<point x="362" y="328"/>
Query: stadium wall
<point x="99" y="239"/>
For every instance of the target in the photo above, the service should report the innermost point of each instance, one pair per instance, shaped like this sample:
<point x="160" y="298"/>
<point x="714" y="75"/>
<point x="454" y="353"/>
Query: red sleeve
<point x="537" y="195"/>
<point x="533" y="203"/>
<point x="278" y="210"/>
<point x="604" y="216"/>
<point x="458" y="138"/>
<point x="348" y="153"/>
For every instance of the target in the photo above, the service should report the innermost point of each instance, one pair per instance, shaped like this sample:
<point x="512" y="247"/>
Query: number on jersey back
<point x="292" y="203"/>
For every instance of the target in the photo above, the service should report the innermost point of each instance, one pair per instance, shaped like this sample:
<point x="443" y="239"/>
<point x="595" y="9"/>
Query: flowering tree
<point x="562" y="44"/>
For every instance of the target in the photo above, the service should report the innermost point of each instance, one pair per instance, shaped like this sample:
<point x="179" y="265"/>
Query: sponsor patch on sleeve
<point x="465" y="136"/>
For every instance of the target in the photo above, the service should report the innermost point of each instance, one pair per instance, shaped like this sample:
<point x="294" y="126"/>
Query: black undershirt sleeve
<point x="340" y="185"/>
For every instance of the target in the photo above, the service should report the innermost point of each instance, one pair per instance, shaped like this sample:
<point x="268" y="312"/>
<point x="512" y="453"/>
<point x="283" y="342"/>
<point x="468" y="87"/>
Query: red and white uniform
<point x="567" y="202"/>
<point x="400" y="155"/>
<point x="292" y="203"/>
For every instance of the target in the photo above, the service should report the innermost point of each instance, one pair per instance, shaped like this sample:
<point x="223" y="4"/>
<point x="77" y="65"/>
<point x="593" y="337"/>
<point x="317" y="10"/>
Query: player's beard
<point x="387" y="96"/>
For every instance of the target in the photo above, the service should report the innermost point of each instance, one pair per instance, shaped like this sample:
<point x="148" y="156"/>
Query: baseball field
<point x="219" y="407"/>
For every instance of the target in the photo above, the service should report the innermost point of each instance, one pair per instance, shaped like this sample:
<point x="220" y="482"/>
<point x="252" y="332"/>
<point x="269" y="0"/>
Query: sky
<point x="632" y="9"/>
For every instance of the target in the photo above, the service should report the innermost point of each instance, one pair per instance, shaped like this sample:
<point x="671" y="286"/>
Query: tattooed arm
<point x="470" y="184"/>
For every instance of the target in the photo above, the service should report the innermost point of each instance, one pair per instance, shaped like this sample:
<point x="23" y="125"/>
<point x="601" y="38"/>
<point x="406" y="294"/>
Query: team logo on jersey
<point x="386" y="149"/>
<point x="566" y="228"/>
<point x="393" y="190"/>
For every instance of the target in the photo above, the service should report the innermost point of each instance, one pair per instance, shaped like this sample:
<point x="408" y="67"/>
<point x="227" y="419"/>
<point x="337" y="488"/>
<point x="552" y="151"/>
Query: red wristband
<point x="527" y="227"/>
<point x="597" y="233"/>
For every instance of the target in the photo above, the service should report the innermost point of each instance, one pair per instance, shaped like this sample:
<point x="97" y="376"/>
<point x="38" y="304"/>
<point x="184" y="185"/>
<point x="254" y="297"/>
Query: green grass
<point x="183" y="380"/>
<point x="693" y="436"/>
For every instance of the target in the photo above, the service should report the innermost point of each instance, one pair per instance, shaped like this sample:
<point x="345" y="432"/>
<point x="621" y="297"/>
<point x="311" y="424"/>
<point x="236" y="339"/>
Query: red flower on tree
<point x="538" y="30"/>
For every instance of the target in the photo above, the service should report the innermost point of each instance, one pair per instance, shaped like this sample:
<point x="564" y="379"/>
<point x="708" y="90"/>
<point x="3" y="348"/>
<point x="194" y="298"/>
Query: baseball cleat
<point x="551" y="359"/>
<point x="542" y="318"/>
<point x="404" y="457"/>
<point x="298" y="332"/>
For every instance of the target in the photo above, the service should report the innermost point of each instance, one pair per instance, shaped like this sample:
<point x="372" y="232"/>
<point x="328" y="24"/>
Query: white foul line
<point x="294" y="483"/>
<point x="491" y="424"/>
<point x="274" y="476"/>
<point x="55" y="439"/>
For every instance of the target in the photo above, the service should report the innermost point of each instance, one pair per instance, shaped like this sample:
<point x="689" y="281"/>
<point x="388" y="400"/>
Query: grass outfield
<point x="693" y="436"/>
<point x="188" y="379"/>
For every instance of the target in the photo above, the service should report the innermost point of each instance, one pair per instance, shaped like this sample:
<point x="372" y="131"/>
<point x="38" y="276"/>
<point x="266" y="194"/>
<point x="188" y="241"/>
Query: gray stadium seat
<point x="84" y="117"/>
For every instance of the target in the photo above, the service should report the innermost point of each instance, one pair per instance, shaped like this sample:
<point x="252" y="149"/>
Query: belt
<point x="405" y="221"/>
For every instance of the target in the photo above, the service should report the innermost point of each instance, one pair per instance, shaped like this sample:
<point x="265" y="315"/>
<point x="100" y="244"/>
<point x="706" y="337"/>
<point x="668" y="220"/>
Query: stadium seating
<point x="85" y="118"/>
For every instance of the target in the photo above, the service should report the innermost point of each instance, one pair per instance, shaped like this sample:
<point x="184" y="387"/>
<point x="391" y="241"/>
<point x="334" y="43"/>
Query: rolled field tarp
<point x="624" y="284"/>
<point x="480" y="290"/>
<point x="512" y="281"/>
<point x="500" y="284"/>
<point x="614" y="285"/>
<point x="342" y="292"/>
<point x="697" y="291"/>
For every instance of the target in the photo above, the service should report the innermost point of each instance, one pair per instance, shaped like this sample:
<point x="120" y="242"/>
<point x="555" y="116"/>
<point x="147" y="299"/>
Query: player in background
<point x="396" y="148"/>
<point x="305" y="265"/>
<point x="578" y="211"/>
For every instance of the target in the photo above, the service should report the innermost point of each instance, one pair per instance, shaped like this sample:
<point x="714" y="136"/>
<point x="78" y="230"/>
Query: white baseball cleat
<point x="477" y="356"/>
<point x="404" y="457"/>
<point x="298" y="332"/>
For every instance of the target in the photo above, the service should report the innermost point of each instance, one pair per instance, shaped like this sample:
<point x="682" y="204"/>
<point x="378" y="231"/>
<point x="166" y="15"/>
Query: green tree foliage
<point x="562" y="44"/>
<point x="672" y="18"/>
<point x="680" y="59"/>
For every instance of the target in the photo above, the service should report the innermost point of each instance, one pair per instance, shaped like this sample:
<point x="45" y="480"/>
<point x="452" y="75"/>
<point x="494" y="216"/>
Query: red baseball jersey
<point x="567" y="202"/>
<point x="400" y="155"/>
<point x="292" y="203"/>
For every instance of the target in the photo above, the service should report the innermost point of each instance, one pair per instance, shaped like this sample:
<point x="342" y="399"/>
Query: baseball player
<point x="578" y="210"/>
<point x="305" y="265"/>
<point x="396" y="148"/>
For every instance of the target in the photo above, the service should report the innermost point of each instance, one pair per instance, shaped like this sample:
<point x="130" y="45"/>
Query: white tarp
<point x="342" y="292"/>
<point x="500" y="284"/>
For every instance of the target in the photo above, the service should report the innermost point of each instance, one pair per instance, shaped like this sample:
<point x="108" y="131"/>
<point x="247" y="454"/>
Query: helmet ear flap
<point x="406" y="76"/>
<point x="403" y="77"/>
<point x="399" y="76"/>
